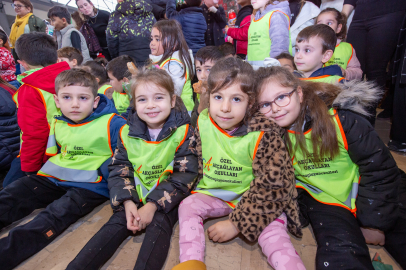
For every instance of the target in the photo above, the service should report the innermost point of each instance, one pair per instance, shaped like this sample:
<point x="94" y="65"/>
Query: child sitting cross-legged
<point x="73" y="181"/>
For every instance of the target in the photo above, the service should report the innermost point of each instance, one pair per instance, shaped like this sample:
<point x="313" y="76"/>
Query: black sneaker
<point x="397" y="146"/>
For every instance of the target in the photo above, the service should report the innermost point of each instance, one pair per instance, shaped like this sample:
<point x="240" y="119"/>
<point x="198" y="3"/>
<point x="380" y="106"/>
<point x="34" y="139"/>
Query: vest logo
<point x="207" y="164"/>
<point x="64" y="152"/>
<point x="139" y="170"/>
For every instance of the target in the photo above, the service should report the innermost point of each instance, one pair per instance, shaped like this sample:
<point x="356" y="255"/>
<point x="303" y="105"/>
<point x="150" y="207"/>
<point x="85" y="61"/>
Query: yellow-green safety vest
<point x="259" y="41"/>
<point x="187" y="91"/>
<point x="329" y="181"/>
<point x="342" y="55"/>
<point x="227" y="161"/>
<point x="325" y="78"/>
<point x="121" y="101"/>
<point x="79" y="159"/>
<point x="49" y="104"/>
<point x="103" y="89"/>
<point x="26" y="73"/>
<point x="152" y="160"/>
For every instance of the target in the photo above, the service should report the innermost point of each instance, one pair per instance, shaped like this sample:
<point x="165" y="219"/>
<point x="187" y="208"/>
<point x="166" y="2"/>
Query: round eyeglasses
<point x="281" y="101"/>
<point x="17" y="6"/>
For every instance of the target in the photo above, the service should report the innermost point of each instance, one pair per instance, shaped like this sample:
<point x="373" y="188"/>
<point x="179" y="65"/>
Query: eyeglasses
<point x="281" y="101"/>
<point x="17" y="6"/>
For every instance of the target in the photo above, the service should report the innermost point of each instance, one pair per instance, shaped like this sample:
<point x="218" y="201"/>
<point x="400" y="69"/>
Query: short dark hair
<point x="71" y="53"/>
<point x="118" y="67"/>
<point x="37" y="49"/>
<point x="325" y="32"/>
<point x="60" y="12"/>
<point x="76" y="76"/>
<point x="227" y="49"/>
<point x="193" y="3"/>
<point x="288" y="56"/>
<point x="208" y="53"/>
<point x="3" y="36"/>
<point x="97" y="70"/>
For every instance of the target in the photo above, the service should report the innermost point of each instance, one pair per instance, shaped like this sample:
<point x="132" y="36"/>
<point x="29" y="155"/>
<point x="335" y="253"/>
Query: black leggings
<point x="105" y="242"/>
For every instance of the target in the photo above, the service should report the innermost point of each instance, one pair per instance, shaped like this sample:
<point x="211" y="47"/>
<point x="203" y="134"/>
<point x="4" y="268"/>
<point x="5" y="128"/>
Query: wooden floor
<point x="234" y="255"/>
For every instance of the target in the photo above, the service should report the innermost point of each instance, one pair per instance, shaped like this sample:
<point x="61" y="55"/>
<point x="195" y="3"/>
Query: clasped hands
<point x="139" y="219"/>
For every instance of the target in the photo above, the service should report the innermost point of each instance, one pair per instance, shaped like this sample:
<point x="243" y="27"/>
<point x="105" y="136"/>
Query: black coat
<point x="9" y="130"/>
<point x="218" y="21"/>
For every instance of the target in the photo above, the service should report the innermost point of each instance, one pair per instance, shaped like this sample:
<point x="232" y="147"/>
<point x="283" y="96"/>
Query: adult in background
<point x="94" y="25"/>
<point x="216" y="21"/>
<point x="25" y="22"/>
<point x="129" y="30"/>
<point x="373" y="34"/>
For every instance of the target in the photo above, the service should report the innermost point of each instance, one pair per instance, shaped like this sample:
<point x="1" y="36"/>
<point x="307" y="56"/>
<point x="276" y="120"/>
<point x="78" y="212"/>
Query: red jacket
<point x="32" y="118"/>
<point x="240" y="35"/>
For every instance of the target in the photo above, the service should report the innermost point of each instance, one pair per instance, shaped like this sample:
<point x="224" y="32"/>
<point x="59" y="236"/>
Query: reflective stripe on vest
<point x="103" y="89"/>
<point x="325" y="78"/>
<point x="329" y="181"/>
<point x="342" y="55"/>
<point x="121" y="101"/>
<point x="227" y="161"/>
<point x="152" y="161"/>
<point x="49" y="104"/>
<point x="187" y="91"/>
<point x="79" y="159"/>
<point x="259" y="41"/>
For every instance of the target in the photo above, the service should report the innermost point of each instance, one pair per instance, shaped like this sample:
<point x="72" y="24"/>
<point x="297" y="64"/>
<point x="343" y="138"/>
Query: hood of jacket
<point x="105" y="106"/>
<point x="138" y="8"/>
<point x="281" y="6"/>
<point x="139" y="129"/>
<point x="356" y="96"/>
<point x="44" y="78"/>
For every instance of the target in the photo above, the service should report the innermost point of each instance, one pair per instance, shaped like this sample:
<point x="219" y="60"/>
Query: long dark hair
<point x="317" y="98"/>
<point x="172" y="41"/>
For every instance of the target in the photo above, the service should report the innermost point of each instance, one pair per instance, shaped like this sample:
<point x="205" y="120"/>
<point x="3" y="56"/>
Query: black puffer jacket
<point x="377" y="202"/>
<point x="9" y="130"/>
<point x="176" y="187"/>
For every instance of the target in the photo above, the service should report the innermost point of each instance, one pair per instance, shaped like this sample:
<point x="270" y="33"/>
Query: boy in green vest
<point x="120" y="76"/>
<point x="73" y="181"/>
<point x="314" y="47"/>
<point x="35" y="102"/>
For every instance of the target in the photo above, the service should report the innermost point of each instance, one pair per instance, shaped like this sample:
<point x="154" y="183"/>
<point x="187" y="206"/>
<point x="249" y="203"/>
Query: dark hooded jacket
<point x="105" y="106"/>
<point x="177" y="186"/>
<point x="129" y="30"/>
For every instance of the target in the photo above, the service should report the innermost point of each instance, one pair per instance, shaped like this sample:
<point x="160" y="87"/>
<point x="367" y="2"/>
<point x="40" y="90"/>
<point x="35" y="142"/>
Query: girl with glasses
<point x="347" y="180"/>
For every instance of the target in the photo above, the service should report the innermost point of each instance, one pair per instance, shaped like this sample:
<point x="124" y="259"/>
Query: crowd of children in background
<point x="273" y="136"/>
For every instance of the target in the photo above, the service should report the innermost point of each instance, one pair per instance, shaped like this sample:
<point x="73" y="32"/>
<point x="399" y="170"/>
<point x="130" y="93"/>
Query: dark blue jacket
<point x="106" y="106"/>
<point x="9" y="130"/>
<point x="193" y="24"/>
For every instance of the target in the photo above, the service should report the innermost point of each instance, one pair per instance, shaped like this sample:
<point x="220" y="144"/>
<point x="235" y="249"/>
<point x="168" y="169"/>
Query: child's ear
<point x="339" y="27"/>
<point x="173" y="101"/>
<point x="98" y="80"/>
<point x="96" y="102"/>
<point x="64" y="21"/>
<point x="300" y="93"/>
<point x="75" y="62"/>
<point x="24" y="64"/>
<point x="57" y="101"/>
<point x="326" y="56"/>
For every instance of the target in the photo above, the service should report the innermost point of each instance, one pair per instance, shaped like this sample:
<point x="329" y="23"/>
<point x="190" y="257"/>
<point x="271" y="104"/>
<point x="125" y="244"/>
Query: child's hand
<point x="146" y="213"/>
<point x="373" y="236"/>
<point x="343" y="71"/>
<point x="222" y="231"/>
<point x="132" y="216"/>
<point x="204" y="98"/>
<point x="230" y="39"/>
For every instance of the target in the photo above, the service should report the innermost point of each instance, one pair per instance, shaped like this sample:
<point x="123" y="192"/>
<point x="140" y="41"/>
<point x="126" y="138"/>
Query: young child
<point x="70" y="55"/>
<point x="244" y="172"/>
<point x="239" y="32"/>
<point x="344" y="54"/>
<point x="7" y="64"/>
<point x="73" y="181"/>
<point x="66" y="34"/>
<point x="119" y="75"/>
<point x="97" y="70"/>
<point x="268" y="34"/>
<point x="35" y="102"/>
<point x="314" y="47"/>
<point x="192" y="21"/>
<point x="348" y="181"/>
<point x="205" y="59"/>
<point x="153" y="170"/>
<point x="287" y="61"/>
<point x="170" y="52"/>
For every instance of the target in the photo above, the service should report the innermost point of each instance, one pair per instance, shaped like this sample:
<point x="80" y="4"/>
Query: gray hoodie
<point x="279" y="28"/>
